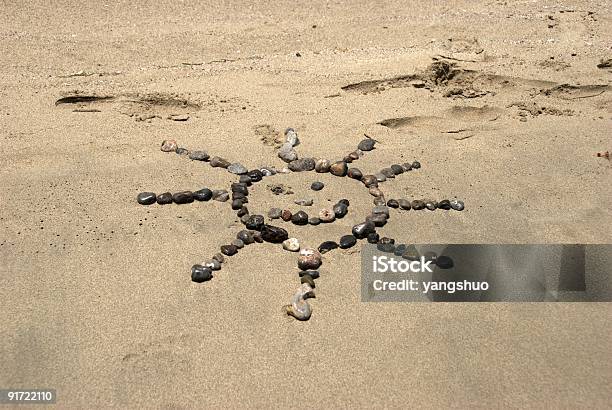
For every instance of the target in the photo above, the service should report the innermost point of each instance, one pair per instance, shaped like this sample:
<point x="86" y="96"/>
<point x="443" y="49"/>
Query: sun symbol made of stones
<point x="257" y="230"/>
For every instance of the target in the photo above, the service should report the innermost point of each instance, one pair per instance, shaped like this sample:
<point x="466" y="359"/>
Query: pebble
<point x="327" y="215"/>
<point x="213" y="264"/>
<point x="354" y="173"/>
<point x="200" y="273"/>
<point x="169" y="145"/>
<point x="374" y="191"/>
<point x="218" y="162"/>
<point x="287" y="153"/>
<point x="274" y="234"/>
<point x="303" y="164"/>
<point x="245" y="179"/>
<point x="291" y="137"/>
<point x="299" y="307"/>
<point x="457" y="205"/>
<point x="373" y="237"/>
<point x="317" y="186"/>
<point x="275" y="213"/>
<point x="267" y="172"/>
<point x="378" y="219"/>
<point x="381" y="210"/>
<point x="245" y="236"/>
<point x="411" y="253"/>
<point x="354" y="155"/>
<point x="400" y="249"/>
<point x="146" y="198"/>
<point x="291" y="244"/>
<point x="397" y="169"/>
<point x="203" y="194"/>
<point x="239" y="195"/>
<point x="338" y="169"/>
<point x="369" y="180"/>
<point x="312" y="273"/>
<point x="255" y="222"/>
<point x="184" y="197"/>
<point x="237" y="168"/>
<point x="237" y="204"/>
<point x="393" y="203"/>
<point x="416" y="165"/>
<point x="244" y="218"/>
<point x="304" y="202"/>
<point x="182" y="151"/>
<point x="220" y="195"/>
<point x="300" y="218"/>
<point x="444" y="204"/>
<point x="407" y="166"/>
<point x="366" y="144"/>
<point x="308" y="279"/>
<point x="327" y="246"/>
<point x="242" y="212"/>
<point x="219" y="257"/>
<point x="229" y="250"/>
<point x="314" y="221"/>
<point x="405" y="204"/>
<point x="379" y="200"/>
<point x="344" y="201"/>
<point x="388" y="172"/>
<point x="286" y="215"/>
<point x="363" y="229"/>
<point x="380" y="177"/>
<point x="165" y="198"/>
<point x="347" y="241"/>
<point x="309" y="259"/>
<point x="385" y="247"/>
<point x="240" y="187"/>
<point x="431" y="204"/>
<point x="255" y="175"/>
<point x="417" y="205"/>
<point x="322" y="165"/>
<point x="199" y="156"/>
<point x="444" y="262"/>
<point x="257" y="236"/>
<point x="347" y="159"/>
<point x="386" y="240"/>
<point x="340" y="210"/>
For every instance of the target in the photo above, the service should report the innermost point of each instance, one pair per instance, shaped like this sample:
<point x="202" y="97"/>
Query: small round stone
<point x="309" y="259"/>
<point x="275" y="213"/>
<point x="411" y="253"/>
<point x="400" y="249"/>
<point x="237" y="168"/>
<point x="369" y="180"/>
<point x="366" y="144"/>
<point x="255" y="175"/>
<point x="381" y="210"/>
<point x="387" y="240"/>
<point x="286" y="215"/>
<point x="327" y="246"/>
<point x="457" y="205"/>
<point x="245" y="236"/>
<point x="312" y="273"/>
<point x="237" y="204"/>
<point x="338" y="168"/>
<point x="199" y="156"/>
<point x="388" y="172"/>
<point x="444" y="204"/>
<point x="354" y="173"/>
<point x="203" y="194"/>
<point x="347" y="159"/>
<point x="239" y="195"/>
<point x="444" y="262"/>
<point x="218" y="162"/>
<point x="255" y="222"/>
<point x="220" y="195"/>
<point x="397" y="169"/>
<point x="257" y="236"/>
<point x="344" y="201"/>
<point x="273" y="234"/>
<point x="242" y="212"/>
<point x="385" y="247"/>
<point x="229" y="250"/>
<point x="431" y="204"/>
<point x="313" y="220"/>
<point x="182" y="151"/>
<point x="379" y="200"/>
<point x="245" y="218"/>
<point x="355" y="155"/>
<point x="376" y="192"/>
<point x="363" y="229"/>
<point x="267" y="172"/>
<point x="417" y="205"/>
<point x="308" y="279"/>
<point x="304" y="202"/>
<point x="340" y="210"/>
<point x="291" y="244"/>
<point x="416" y="165"/>
<point x="245" y="179"/>
<point x="287" y="153"/>
<point x="347" y="241"/>
<point x="165" y="198"/>
<point x="380" y="177"/>
<point x="300" y="218"/>
<point x="373" y="237"/>
<point x="213" y="264"/>
<point x="322" y="165"/>
<point x="184" y="197"/>
<point x="169" y="145"/>
<point x="302" y="164"/>
<point x="317" y="186"/>
<point x="393" y="203"/>
<point x="200" y="273"/>
<point x="146" y="198"/>
<point x="407" y="166"/>
<point x="378" y="219"/>
<point x="219" y="257"/>
<point x="405" y="204"/>
<point x="327" y="215"/>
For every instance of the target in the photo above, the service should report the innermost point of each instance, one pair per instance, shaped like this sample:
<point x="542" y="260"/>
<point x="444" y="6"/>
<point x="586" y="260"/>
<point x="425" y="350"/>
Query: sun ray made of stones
<point x="256" y="230"/>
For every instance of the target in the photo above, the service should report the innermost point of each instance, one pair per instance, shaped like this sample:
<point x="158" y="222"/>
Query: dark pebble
<point x="366" y="144"/>
<point x="314" y="221"/>
<point x="379" y="200"/>
<point x="417" y="205"/>
<point x="388" y="172"/>
<point x="219" y="257"/>
<point x="338" y="169"/>
<point x="386" y="240"/>
<point x="393" y="203"/>
<point x="242" y="211"/>
<point x="416" y="165"/>
<point x="255" y="175"/>
<point x="431" y="205"/>
<point x="239" y="187"/>
<point x="405" y="204"/>
<point x="238" y="195"/>
<point x="354" y="155"/>
<point x="347" y="241"/>
<point x="165" y="198"/>
<point x="378" y="219"/>
<point x="444" y="204"/>
<point x="444" y="262"/>
<point x="312" y="273"/>
<point x="237" y="204"/>
<point x="229" y="250"/>
<point x="219" y="162"/>
<point x="400" y="249"/>
<point x="300" y="218"/>
<point x="184" y="197"/>
<point x="274" y="234"/>
<point x="362" y="230"/>
<point x="199" y="156"/>
<point x="457" y="205"/>
<point x="146" y="198"/>
<point x="347" y="159"/>
<point x="257" y="236"/>
<point x="385" y="247"/>
<point x="255" y="222"/>
<point x="407" y="166"/>
<point x="203" y="194"/>
<point x="373" y="237"/>
<point x="245" y="179"/>
<point x="200" y="273"/>
<point x="317" y="186"/>
<point x="340" y="210"/>
<point x="397" y="169"/>
<point x="354" y="173"/>
<point x="245" y="236"/>
<point x="182" y="151"/>
<point x="327" y="246"/>
<point x="302" y="164"/>
<point x="344" y="201"/>
<point x="370" y="181"/>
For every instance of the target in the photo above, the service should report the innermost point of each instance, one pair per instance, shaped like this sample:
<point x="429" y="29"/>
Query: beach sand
<point x="97" y="300"/>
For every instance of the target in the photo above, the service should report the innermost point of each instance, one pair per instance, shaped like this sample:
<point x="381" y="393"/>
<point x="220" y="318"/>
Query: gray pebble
<point x="304" y="202"/>
<point x="199" y="156"/>
<point x="220" y="195"/>
<point x="275" y="213"/>
<point x="237" y="169"/>
<point x="317" y="186"/>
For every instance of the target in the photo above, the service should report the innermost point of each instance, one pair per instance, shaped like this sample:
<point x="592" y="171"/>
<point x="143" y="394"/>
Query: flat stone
<point x="237" y="168"/>
<point x="312" y="273"/>
<point x="304" y="202"/>
<point x="444" y="205"/>
<point x="373" y="237"/>
<point x="291" y="244"/>
<point x="381" y="210"/>
<point x="457" y="205"/>
<point x="369" y="181"/>
<point x="146" y="198"/>
<point x="380" y="177"/>
<point x="302" y="164"/>
<point x="314" y="220"/>
<point x="213" y="264"/>
<point x="405" y="204"/>
<point x="200" y="273"/>
<point x="184" y="197"/>
<point x="379" y="200"/>
<point x="274" y="234"/>
<point x="317" y="186"/>
<point x="287" y="153"/>
<point x="286" y="215"/>
<point x="229" y="250"/>
<point x="340" y="210"/>
<point x="245" y="236"/>
<point x="220" y="195"/>
<point x="182" y="151"/>
<point x="169" y="146"/>
<point x="275" y="213"/>
<point x="374" y="191"/>
<point x="347" y="241"/>
<point x="363" y="229"/>
<point x="219" y="257"/>
<point x="218" y="162"/>
<point x="327" y="246"/>
<point x="203" y="194"/>
<point x="354" y="173"/>
<point x="327" y="215"/>
<point x="407" y="166"/>
<point x="388" y="172"/>
<point x="393" y="203"/>
<point x="417" y="205"/>
<point x="199" y="156"/>
<point x="165" y="198"/>
<point x="309" y="259"/>
<point x="255" y="222"/>
<point x="366" y="144"/>
<point x="300" y="218"/>
<point x="431" y="204"/>
<point x="237" y="204"/>
<point x="416" y="165"/>
<point x="377" y="219"/>
<point x="338" y="168"/>
<point x="397" y="169"/>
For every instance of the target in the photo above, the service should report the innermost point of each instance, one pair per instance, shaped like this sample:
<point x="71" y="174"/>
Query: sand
<point x="96" y="296"/>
